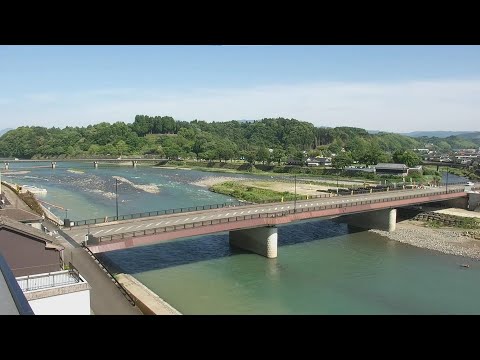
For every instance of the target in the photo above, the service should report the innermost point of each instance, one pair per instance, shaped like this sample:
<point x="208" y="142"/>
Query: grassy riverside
<point x="253" y="194"/>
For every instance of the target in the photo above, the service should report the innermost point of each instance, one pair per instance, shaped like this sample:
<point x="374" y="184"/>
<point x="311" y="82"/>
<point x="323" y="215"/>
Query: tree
<point x="94" y="149"/>
<point x="278" y="155"/>
<point x="342" y="160"/>
<point x="250" y="156"/>
<point x="262" y="154"/>
<point x="122" y="147"/>
<point x="357" y="147"/>
<point x="373" y="154"/>
<point x="335" y="147"/>
<point x="408" y="158"/>
<point x="397" y="157"/>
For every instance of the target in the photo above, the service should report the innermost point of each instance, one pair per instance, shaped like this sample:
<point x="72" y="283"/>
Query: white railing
<point x="48" y="280"/>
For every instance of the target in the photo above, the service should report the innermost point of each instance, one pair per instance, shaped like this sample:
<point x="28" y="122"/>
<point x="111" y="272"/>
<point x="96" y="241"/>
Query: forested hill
<point x="4" y="131"/>
<point x="162" y="136"/>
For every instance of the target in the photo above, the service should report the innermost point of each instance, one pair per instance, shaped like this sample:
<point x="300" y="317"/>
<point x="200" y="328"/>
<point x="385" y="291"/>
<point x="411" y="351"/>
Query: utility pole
<point x="295" y="200"/>
<point x="116" y="195"/>
<point x="337" y="183"/>
<point x="446" y="183"/>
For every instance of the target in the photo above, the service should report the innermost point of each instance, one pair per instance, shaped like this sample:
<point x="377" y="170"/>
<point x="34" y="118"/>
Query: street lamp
<point x="337" y="183"/>
<point x="116" y="195"/>
<point x="295" y="200"/>
<point x="446" y="183"/>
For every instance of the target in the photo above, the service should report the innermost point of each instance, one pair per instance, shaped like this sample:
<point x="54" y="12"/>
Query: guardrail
<point x="163" y="229"/>
<point x="227" y="204"/>
<point x="157" y="213"/>
<point x="179" y="210"/>
<point x="115" y="281"/>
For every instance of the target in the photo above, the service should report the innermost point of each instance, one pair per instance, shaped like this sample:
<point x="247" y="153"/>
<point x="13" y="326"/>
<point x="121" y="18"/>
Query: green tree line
<point x="267" y="140"/>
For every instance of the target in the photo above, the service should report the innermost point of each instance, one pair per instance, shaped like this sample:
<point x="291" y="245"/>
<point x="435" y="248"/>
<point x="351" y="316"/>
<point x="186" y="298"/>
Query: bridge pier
<point x="134" y="163"/>
<point x="54" y="164"/>
<point x="95" y="164"/>
<point x="6" y="165"/>
<point x="473" y="201"/>
<point x="380" y="219"/>
<point x="262" y="240"/>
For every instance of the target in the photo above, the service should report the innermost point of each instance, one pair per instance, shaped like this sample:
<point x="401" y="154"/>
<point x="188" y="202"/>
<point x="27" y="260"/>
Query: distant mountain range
<point x="470" y="135"/>
<point x="4" y="131"/>
<point x="444" y="134"/>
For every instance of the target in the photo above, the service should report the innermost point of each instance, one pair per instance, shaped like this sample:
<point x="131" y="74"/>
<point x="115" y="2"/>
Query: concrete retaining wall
<point x="445" y="219"/>
<point x="146" y="300"/>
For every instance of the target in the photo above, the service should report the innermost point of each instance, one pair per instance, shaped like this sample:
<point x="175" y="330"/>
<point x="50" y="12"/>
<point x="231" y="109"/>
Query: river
<point x="322" y="267"/>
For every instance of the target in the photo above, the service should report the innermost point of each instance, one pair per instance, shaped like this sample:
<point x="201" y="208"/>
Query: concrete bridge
<point x="95" y="162"/>
<point x="444" y="164"/>
<point x="253" y="227"/>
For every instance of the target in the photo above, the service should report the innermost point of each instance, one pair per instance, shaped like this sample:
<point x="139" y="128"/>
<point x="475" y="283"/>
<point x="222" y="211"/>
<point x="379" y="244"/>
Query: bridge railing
<point x="227" y="204"/>
<point x="158" y="212"/>
<point x="182" y="210"/>
<point x="163" y="229"/>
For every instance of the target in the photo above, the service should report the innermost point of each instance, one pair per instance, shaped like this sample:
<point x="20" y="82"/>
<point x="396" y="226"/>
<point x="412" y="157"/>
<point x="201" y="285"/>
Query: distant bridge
<point x="253" y="227"/>
<point x="92" y="159"/>
<point x="95" y="162"/>
<point x="439" y="164"/>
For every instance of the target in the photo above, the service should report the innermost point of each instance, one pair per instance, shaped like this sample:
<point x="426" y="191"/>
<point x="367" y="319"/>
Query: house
<point x="295" y="162"/>
<point x="391" y="169"/>
<point x="28" y="250"/>
<point x="325" y="161"/>
<point x="22" y="216"/>
<point x="36" y="263"/>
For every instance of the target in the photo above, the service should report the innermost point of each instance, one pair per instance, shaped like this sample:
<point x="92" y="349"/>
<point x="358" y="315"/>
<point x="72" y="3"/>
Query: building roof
<point x="27" y="230"/>
<point x="391" y="166"/>
<point x="20" y="215"/>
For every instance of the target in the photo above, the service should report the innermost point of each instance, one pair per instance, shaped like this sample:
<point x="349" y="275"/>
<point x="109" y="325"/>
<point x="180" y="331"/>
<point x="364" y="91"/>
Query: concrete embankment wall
<point x="444" y="219"/>
<point x="51" y="215"/>
<point x="146" y="300"/>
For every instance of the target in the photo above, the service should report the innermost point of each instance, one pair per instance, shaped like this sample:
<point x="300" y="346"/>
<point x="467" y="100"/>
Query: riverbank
<point x="146" y="300"/>
<point x="273" y="171"/>
<point x="452" y="241"/>
<point x="303" y="188"/>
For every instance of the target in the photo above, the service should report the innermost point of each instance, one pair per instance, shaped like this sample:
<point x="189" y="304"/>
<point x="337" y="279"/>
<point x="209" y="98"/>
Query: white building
<point x="57" y="293"/>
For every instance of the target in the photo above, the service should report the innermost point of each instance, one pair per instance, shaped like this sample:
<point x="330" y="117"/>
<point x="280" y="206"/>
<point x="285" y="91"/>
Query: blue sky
<point x="391" y="88"/>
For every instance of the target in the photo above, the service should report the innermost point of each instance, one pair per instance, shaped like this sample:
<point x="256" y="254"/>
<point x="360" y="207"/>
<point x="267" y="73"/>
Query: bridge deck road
<point x="147" y="223"/>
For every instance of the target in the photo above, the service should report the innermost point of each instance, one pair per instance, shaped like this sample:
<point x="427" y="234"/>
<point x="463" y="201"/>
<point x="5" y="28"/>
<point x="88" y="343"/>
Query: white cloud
<point x="402" y="106"/>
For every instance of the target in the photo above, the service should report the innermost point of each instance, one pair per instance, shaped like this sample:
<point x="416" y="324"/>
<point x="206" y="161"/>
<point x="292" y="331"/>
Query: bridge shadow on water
<point x="209" y="247"/>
